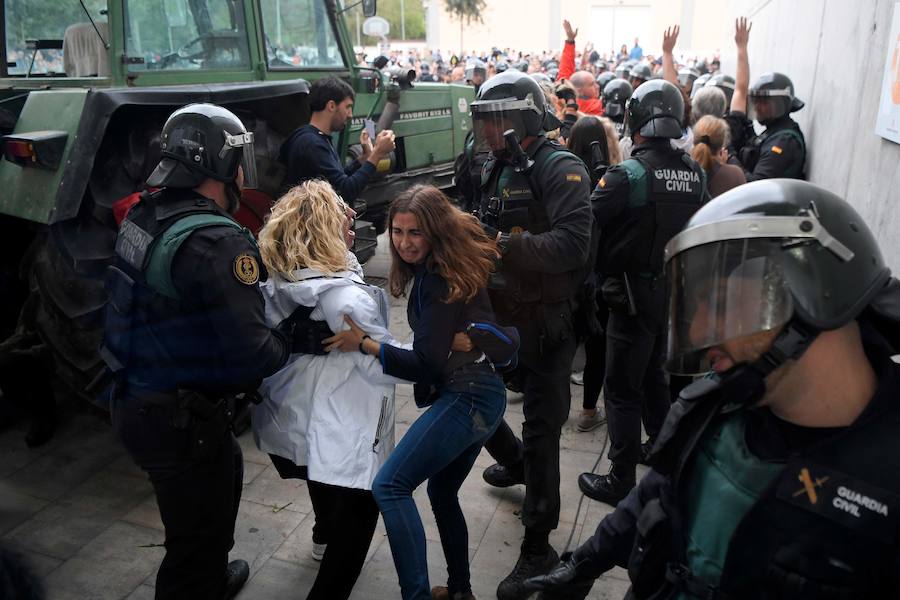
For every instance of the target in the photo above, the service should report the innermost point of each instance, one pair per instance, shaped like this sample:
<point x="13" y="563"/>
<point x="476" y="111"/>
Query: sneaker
<point x="590" y="421"/>
<point x="318" y="551"/>
<point x="604" y="488"/>
<point x="442" y="593"/>
<point x="499" y="476"/>
<point x="577" y="377"/>
<point x="528" y="566"/>
<point x="236" y="574"/>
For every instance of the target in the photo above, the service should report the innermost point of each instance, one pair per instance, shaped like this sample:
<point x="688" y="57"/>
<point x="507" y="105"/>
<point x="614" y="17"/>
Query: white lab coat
<point x="334" y="413"/>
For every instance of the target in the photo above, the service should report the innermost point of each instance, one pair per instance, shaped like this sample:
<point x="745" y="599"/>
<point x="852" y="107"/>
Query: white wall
<point x="835" y="52"/>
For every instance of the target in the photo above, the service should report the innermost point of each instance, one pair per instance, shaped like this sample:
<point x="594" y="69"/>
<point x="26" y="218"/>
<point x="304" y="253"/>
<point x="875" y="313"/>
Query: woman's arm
<point x="433" y="336"/>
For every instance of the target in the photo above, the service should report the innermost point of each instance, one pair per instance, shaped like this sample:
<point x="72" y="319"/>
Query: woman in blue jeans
<point x="448" y="258"/>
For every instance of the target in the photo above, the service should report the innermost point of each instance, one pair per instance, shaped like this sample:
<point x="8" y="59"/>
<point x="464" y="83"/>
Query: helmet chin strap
<point x="746" y="382"/>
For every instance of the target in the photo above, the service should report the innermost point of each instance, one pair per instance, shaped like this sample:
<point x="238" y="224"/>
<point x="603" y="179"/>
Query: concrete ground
<point x="85" y="517"/>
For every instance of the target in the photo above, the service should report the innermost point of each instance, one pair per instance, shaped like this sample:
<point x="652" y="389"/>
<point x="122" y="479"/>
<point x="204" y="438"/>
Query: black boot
<point x="499" y="476"/>
<point x="236" y="574"/>
<point x="530" y="564"/>
<point x="646" y="448"/>
<point x="40" y="431"/>
<point x="610" y="488"/>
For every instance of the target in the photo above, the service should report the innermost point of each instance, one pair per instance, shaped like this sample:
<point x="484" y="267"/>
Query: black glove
<point x="563" y="582"/>
<point x="304" y="334"/>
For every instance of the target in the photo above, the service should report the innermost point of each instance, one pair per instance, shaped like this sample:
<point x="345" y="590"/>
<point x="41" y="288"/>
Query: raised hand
<point x="742" y="32"/>
<point x="570" y="33"/>
<point x="670" y="37"/>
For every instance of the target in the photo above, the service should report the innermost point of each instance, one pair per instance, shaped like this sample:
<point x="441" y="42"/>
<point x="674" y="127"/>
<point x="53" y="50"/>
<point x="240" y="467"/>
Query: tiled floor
<point x="85" y="517"/>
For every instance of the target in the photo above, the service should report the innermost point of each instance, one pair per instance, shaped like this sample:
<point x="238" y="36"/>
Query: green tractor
<point x="85" y="87"/>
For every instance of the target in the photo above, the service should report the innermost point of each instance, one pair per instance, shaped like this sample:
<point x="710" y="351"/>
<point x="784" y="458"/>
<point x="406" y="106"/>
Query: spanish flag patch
<point x="573" y="177"/>
<point x="777" y="150"/>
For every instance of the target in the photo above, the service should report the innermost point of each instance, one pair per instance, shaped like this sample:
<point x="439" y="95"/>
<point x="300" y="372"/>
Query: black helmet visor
<point x="243" y="143"/>
<point x="722" y="291"/>
<point x="491" y="119"/>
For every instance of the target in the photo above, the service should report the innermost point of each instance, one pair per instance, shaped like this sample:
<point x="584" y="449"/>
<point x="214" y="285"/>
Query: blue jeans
<point x="441" y="446"/>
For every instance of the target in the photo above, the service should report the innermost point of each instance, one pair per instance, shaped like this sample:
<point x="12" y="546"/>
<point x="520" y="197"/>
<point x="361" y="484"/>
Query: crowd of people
<point x="632" y="207"/>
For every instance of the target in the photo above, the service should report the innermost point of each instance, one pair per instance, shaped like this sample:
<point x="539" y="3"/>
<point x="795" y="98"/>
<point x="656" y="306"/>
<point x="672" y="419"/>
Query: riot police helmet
<point x="615" y="94"/>
<point x="522" y="66"/>
<point x="779" y="90"/>
<point x="501" y="66"/>
<point x="541" y="78"/>
<point x="655" y="110"/>
<point x="724" y="83"/>
<point x="201" y="141"/>
<point x="687" y="76"/>
<point x="475" y="67"/>
<point x="699" y="83"/>
<point x="621" y="71"/>
<point x="640" y="73"/>
<point x="604" y="78"/>
<point x="761" y="256"/>
<point x="508" y="101"/>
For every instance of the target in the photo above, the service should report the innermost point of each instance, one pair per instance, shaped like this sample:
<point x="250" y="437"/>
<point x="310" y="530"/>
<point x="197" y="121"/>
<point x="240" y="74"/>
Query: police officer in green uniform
<point x="535" y="202"/>
<point x="639" y="205"/>
<point x="779" y="475"/>
<point x="185" y="332"/>
<point x="780" y="150"/>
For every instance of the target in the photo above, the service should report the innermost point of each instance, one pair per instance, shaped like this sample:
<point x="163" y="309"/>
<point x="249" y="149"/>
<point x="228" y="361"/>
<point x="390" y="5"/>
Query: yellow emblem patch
<point x="516" y="229"/>
<point x="777" y="150"/>
<point x="246" y="269"/>
<point x="573" y="177"/>
<point x="602" y="183"/>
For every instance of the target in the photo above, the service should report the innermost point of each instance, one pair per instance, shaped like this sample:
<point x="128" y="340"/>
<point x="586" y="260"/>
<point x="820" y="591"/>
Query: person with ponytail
<point x="711" y="136"/>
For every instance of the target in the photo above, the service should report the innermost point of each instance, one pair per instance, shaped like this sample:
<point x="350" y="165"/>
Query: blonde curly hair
<point x="305" y="230"/>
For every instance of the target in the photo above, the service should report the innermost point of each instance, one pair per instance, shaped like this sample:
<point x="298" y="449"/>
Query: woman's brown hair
<point x="710" y="136"/>
<point x="461" y="252"/>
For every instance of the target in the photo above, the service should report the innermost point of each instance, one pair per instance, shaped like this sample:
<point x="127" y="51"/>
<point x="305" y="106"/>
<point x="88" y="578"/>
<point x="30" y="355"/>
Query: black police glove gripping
<point x="563" y="582"/>
<point x="489" y="230"/>
<point x="304" y="334"/>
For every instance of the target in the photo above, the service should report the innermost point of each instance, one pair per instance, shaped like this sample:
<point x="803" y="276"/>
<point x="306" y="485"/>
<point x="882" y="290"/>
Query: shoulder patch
<point x="573" y="177"/>
<point x="601" y="183"/>
<point x="246" y="269"/>
<point x="777" y="149"/>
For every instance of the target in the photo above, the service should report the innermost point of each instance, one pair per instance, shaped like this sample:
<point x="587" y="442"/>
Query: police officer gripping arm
<point x="185" y="332"/>
<point x="763" y="485"/>
<point x="535" y="202"/>
<point x="639" y="206"/>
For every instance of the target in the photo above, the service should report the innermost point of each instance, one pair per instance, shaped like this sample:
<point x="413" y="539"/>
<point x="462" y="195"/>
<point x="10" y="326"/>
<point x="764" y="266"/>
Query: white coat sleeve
<point x="351" y="300"/>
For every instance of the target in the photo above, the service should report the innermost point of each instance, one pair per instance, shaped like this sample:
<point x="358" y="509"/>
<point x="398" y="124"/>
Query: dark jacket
<point x="434" y="323"/>
<point x="779" y="151"/>
<point x="786" y="545"/>
<point x="308" y="154"/>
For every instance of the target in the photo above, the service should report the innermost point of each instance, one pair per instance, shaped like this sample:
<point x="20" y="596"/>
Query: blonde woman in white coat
<point x="327" y="419"/>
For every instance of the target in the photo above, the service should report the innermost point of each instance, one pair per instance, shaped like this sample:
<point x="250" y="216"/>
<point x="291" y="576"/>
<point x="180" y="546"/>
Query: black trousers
<point x="349" y="516"/>
<point x="345" y="520"/>
<point x="635" y="383"/>
<point x="544" y="368"/>
<point x="198" y="499"/>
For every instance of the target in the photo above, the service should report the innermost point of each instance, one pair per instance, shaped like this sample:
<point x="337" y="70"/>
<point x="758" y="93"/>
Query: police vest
<point x="140" y="282"/>
<point x="665" y="190"/>
<point x="750" y="153"/>
<point x="824" y="526"/>
<point x="510" y="205"/>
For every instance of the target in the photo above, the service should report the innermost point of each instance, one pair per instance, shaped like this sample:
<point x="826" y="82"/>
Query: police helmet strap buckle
<point x="235" y="141"/>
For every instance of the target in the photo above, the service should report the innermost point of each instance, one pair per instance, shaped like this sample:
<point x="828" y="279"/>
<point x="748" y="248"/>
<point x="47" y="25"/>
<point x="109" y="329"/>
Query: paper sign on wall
<point x="888" y="123"/>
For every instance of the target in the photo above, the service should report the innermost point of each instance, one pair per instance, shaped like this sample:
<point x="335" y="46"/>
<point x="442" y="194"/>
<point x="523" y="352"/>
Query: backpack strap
<point x="158" y="272"/>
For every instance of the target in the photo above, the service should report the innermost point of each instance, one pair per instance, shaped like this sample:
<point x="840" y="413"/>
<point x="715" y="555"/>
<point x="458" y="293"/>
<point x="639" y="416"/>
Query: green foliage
<point x="45" y="19"/>
<point x="465" y="10"/>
